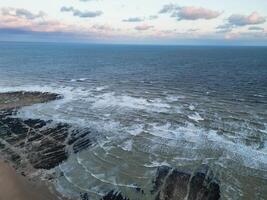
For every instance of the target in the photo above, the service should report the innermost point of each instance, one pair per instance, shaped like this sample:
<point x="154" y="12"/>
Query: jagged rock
<point x="112" y="195"/>
<point x="84" y="196"/>
<point x="139" y="190"/>
<point x="42" y="144"/>
<point x="172" y="184"/>
<point x="12" y="100"/>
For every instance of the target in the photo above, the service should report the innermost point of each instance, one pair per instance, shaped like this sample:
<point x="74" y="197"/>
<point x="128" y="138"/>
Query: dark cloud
<point x="168" y="8"/>
<point x="82" y="14"/>
<point x="189" y="12"/>
<point x="21" y="13"/>
<point x="224" y="28"/>
<point x="133" y="19"/>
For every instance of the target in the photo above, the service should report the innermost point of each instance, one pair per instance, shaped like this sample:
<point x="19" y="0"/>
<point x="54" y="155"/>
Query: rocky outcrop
<point x="172" y="184"/>
<point x="13" y="100"/>
<point x="41" y="144"/>
<point x="44" y="144"/>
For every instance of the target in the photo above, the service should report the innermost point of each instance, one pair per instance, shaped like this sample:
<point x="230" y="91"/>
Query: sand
<point x="14" y="186"/>
<point x="17" y="187"/>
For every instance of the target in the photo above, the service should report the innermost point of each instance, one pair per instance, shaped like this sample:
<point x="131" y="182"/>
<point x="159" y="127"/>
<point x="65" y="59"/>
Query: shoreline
<point x="32" y="146"/>
<point x="15" y="184"/>
<point x="18" y="187"/>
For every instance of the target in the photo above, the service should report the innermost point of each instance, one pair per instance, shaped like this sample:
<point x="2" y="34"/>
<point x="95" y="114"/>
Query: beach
<point x="14" y="186"/>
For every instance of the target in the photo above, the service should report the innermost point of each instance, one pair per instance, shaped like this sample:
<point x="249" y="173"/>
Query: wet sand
<point x="17" y="187"/>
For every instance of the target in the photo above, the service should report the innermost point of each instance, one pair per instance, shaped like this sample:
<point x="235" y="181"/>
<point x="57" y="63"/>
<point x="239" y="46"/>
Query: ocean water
<point x="149" y="106"/>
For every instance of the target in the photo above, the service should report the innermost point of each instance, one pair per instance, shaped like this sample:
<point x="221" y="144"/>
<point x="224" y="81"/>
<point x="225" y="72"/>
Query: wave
<point x="78" y="80"/>
<point x="123" y="101"/>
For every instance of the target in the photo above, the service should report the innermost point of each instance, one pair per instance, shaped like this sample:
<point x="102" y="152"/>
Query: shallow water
<point x="149" y="106"/>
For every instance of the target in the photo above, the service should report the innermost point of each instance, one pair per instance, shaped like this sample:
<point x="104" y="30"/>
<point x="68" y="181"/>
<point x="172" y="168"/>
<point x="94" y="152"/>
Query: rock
<point x="172" y="184"/>
<point x="44" y="144"/>
<point x="84" y="196"/>
<point x="14" y="100"/>
<point x="112" y="195"/>
<point x="38" y="143"/>
<point x="140" y="190"/>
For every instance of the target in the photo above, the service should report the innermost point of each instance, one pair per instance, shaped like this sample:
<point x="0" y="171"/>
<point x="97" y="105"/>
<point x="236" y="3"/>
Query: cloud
<point x="143" y="27"/>
<point x="189" y="12"/>
<point x="152" y="17"/>
<point x="237" y="20"/>
<point x="140" y="19"/>
<point x="104" y="28"/>
<point x="243" y="20"/>
<point x="133" y="19"/>
<point x="21" y="13"/>
<point x="194" y="13"/>
<point x="224" y="28"/>
<point x="168" y="8"/>
<point x="255" y="28"/>
<point x="82" y="14"/>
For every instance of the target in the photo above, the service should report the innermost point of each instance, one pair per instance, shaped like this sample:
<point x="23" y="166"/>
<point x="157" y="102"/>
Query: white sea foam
<point x="197" y="136"/>
<point x="173" y="98"/>
<point x="204" y="139"/>
<point x="78" y="80"/>
<point x="101" y="88"/>
<point x="155" y="163"/>
<point x="196" y="117"/>
<point x="68" y="92"/>
<point x="192" y="107"/>
<point x="135" y="130"/>
<point x="127" y="145"/>
<point x="258" y="95"/>
<point x="124" y="101"/>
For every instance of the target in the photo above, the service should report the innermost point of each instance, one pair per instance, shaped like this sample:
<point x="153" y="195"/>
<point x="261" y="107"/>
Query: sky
<point x="177" y="22"/>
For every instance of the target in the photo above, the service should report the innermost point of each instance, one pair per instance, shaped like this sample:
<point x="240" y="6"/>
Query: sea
<point x="148" y="106"/>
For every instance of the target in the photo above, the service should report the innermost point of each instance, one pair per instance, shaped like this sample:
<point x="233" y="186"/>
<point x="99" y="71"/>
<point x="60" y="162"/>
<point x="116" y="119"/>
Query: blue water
<point x="148" y="106"/>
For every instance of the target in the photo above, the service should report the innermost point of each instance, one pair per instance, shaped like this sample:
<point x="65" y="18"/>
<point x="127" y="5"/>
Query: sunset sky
<point x="184" y="22"/>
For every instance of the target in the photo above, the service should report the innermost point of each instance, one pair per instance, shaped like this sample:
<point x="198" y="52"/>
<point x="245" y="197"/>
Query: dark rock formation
<point x="44" y="144"/>
<point x="112" y="195"/>
<point x="41" y="144"/>
<point x="172" y="184"/>
<point x="84" y="196"/>
<point x="12" y="100"/>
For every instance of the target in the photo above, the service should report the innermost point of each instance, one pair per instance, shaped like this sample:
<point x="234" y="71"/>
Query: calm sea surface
<point x="149" y="106"/>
